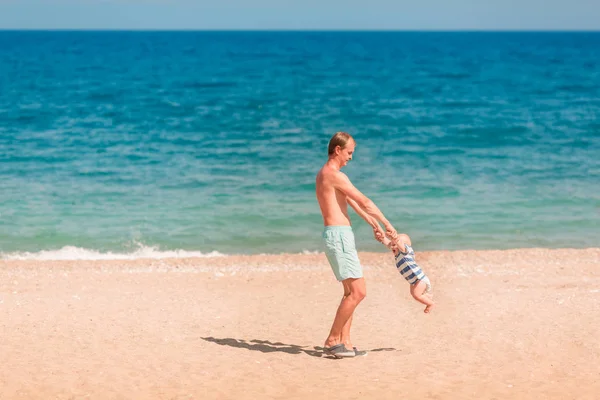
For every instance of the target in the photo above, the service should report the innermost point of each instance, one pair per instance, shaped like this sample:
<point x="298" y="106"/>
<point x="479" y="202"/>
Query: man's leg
<point x="340" y="330"/>
<point x="346" y="329"/>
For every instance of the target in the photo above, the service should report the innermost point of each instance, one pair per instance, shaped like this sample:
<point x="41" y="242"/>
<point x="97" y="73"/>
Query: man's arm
<point x="377" y="231"/>
<point x="342" y="183"/>
<point x="363" y="214"/>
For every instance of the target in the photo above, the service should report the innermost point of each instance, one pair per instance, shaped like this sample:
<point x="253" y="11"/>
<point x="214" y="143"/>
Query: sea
<point x="133" y="144"/>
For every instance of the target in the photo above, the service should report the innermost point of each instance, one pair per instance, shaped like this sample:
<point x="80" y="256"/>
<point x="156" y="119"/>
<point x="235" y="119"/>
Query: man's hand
<point x="391" y="232"/>
<point x="380" y="237"/>
<point x="378" y="233"/>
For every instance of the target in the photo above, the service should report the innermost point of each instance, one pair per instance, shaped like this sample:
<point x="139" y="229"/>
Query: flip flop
<point x="339" y="351"/>
<point x="358" y="352"/>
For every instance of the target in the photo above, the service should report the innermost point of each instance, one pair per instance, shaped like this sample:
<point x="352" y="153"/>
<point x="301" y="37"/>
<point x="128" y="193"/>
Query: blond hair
<point x="339" y="139"/>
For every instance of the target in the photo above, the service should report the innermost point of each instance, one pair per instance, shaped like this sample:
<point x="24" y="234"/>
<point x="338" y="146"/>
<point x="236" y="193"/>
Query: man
<point x="334" y="193"/>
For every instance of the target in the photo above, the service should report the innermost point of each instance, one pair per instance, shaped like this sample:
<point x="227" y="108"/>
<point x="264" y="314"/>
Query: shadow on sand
<point x="265" y="346"/>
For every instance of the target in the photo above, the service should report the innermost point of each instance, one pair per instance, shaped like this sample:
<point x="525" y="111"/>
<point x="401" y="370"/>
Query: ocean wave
<point x="78" y="253"/>
<point x="72" y="253"/>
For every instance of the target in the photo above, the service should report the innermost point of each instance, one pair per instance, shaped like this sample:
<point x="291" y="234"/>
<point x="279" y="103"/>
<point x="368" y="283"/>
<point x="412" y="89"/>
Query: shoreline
<point x="94" y="255"/>
<point x="300" y="259"/>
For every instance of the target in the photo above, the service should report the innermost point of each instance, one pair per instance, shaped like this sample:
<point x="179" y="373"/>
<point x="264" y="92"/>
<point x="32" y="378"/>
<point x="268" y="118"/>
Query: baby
<point x="420" y="286"/>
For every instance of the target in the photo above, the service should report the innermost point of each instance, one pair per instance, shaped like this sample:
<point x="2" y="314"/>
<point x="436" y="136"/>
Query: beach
<point x="515" y="324"/>
<point x="160" y="236"/>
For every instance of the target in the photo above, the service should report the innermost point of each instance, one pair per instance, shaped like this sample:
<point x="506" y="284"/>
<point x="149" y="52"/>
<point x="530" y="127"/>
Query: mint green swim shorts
<point x="341" y="252"/>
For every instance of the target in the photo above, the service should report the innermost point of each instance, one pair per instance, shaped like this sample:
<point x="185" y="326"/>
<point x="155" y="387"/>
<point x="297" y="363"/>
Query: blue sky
<point x="303" y="14"/>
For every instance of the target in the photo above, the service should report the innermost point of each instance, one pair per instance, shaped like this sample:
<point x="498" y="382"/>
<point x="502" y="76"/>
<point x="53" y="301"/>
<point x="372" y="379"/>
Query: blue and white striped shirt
<point x="408" y="267"/>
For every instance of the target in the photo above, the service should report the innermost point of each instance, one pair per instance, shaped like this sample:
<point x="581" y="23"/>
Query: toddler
<point x="404" y="255"/>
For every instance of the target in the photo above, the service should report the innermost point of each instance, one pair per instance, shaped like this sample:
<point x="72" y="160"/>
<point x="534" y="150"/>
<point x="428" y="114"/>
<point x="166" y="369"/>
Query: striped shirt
<point x="407" y="266"/>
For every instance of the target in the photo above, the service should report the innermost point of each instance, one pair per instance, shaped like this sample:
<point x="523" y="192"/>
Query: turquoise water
<point x="140" y="143"/>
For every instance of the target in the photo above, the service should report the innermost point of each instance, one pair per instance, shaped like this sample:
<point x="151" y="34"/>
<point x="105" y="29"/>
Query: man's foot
<point x="339" y="351"/>
<point x="358" y="352"/>
<point x="428" y="308"/>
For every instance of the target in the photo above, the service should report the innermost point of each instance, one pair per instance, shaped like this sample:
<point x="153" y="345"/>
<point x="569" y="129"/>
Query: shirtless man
<point x="334" y="193"/>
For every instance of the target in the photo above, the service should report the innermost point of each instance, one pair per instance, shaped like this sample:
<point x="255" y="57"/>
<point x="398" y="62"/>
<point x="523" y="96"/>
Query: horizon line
<point x="458" y="30"/>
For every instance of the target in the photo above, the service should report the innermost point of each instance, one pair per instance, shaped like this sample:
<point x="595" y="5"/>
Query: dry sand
<point x="515" y="324"/>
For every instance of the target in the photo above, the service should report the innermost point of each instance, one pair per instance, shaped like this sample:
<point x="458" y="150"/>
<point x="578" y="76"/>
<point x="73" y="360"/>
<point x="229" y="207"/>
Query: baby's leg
<point x="418" y="292"/>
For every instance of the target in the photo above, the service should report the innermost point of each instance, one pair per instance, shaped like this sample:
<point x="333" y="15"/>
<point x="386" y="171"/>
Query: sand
<point x="514" y="324"/>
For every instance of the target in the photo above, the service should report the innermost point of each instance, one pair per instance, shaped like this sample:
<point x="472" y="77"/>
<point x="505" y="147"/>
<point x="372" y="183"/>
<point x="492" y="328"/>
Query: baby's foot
<point x="428" y="308"/>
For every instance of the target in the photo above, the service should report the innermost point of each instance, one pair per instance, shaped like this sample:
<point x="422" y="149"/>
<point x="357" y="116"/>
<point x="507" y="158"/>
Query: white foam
<point x="78" y="253"/>
<point x="316" y="252"/>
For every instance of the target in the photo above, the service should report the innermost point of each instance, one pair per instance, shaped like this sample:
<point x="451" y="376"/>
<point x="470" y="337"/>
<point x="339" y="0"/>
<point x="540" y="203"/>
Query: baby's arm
<point x="393" y="246"/>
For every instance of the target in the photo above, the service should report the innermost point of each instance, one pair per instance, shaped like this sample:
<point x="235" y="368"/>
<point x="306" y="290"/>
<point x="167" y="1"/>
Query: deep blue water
<point x="210" y="141"/>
